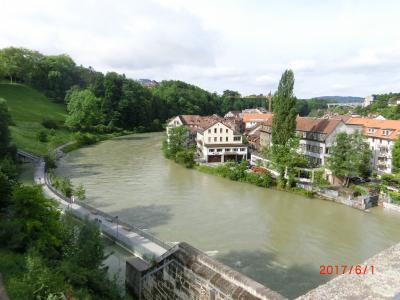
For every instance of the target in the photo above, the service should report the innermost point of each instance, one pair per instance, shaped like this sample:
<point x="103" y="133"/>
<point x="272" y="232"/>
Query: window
<point x="220" y="130"/>
<point x="226" y="139"/>
<point x="235" y="149"/>
<point x="215" y="139"/>
<point x="326" y="150"/>
<point x="242" y="149"/>
<point x="371" y="130"/>
<point x="209" y="130"/>
<point x="219" y="150"/>
<point x="215" y="130"/>
<point x="236" y="138"/>
<point x="385" y="132"/>
<point x="211" y="150"/>
<point x="209" y="140"/>
<point x="227" y="149"/>
<point x="226" y="130"/>
<point x="220" y="138"/>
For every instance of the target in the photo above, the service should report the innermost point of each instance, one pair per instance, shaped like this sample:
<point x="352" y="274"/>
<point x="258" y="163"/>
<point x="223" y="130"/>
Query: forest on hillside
<point x="108" y="102"/>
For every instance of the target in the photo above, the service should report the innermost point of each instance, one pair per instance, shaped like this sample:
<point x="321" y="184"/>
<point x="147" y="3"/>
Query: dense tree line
<point x="108" y="102"/>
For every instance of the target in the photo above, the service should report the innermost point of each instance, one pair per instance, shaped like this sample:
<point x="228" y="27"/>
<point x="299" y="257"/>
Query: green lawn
<point x="28" y="108"/>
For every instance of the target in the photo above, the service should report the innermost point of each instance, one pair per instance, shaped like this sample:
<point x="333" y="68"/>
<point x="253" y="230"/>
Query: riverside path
<point x="133" y="239"/>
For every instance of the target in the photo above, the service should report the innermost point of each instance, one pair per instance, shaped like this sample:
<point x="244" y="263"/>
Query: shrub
<point x="50" y="162"/>
<point x="42" y="136"/>
<point x="185" y="158"/>
<point x="395" y="197"/>
<point x="85" y="139"/>
<point x="50" y="124"/>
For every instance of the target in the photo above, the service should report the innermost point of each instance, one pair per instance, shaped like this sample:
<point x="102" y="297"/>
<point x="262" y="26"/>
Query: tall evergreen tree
<point x="284" y="123"/>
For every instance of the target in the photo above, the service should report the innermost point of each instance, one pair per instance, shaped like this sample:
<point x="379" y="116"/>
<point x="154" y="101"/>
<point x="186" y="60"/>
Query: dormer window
<point x="385" y="132"/>
<point x="371" y="130"/>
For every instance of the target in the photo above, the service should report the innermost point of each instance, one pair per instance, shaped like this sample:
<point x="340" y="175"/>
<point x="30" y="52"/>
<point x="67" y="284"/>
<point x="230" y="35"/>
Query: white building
<point x="368" y="100"/>
<point x="252" y="119"/>
<point x="381" y="136"/>
<point x="218" y="142"/>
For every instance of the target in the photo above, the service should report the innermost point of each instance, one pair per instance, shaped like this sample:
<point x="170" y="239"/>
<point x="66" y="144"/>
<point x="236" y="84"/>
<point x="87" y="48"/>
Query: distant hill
<point x="29" y="108"/>
<point x="341" y="98"/>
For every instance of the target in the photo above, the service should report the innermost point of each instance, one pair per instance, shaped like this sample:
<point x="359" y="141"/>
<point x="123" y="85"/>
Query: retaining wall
<point x="187" y="273"/>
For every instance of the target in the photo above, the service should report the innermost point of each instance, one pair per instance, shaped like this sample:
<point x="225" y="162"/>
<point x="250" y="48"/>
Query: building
<point x="381" y="136"/>
<point x="368" y="100"/>
<point x="252" y="119"/>
<point x="259" y="110"/>
<point x="316" y="136"/>
<point x="219" y="142"/>
<point x="192" y="122"/>
<point x="233" y="114"/>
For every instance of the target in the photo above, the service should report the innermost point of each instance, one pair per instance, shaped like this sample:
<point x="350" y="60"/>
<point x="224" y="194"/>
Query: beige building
<point x="316" y="136"/>
<point x="381" y="136"/>
<point x="219" y="142"/>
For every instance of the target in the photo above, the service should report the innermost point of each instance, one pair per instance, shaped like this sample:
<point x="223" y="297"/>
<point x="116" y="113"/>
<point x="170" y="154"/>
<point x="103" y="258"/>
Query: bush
<point x="85" y="139"/>
<point x="42" y="136"/>
<point x="185" y="158"/>
<point x="50" y="162"/>
<point x="395" y="197"/>
<point x="50" y="124"/>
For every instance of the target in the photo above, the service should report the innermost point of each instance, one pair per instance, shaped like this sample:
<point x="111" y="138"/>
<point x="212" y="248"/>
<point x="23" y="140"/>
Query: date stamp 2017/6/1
<point x="346" y="269"/>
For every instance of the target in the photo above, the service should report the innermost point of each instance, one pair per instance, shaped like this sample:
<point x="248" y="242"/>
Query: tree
<point x="396" y="156"/>
<point x="35" y="220"/>
<point x="84" y="111"/>
<point x="4" y="130"/>
<point x="5" y="191"/>
<point x="284" y="123"/>
<point x="349" y="156"/>
<point x="178" y="139"/>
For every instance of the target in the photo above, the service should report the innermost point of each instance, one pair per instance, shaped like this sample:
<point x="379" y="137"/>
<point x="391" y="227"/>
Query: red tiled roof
<point x="379" y="125"/>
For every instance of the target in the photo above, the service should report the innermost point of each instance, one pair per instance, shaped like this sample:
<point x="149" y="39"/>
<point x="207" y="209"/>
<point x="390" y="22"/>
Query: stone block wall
<point x="188" y="273"/>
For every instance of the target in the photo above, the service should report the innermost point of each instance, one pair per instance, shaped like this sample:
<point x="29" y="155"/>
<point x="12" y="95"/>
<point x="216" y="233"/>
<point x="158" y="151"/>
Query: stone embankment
<point x="187" y="273"/>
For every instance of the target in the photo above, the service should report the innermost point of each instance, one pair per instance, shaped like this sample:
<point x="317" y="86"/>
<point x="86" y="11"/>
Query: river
<point x="277" y="238"/>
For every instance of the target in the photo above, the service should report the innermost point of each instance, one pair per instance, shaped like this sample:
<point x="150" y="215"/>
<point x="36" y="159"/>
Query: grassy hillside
<point x="28" y="109"/>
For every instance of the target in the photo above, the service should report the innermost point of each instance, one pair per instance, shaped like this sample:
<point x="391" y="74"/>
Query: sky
<point x="346" y="48"/>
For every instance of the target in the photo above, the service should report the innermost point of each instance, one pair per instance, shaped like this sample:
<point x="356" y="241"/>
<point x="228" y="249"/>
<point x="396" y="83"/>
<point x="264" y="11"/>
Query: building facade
<point x="218" y="142"/>
<point x="316" y="136"/>
<point x="381" y="136"/>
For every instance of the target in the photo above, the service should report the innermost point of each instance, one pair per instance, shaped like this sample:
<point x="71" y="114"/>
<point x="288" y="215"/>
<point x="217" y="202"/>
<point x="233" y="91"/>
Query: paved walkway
<point x="131" y="240"/>
<point x="3" y="295"/>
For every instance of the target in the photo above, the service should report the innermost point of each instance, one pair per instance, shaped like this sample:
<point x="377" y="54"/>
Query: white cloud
<point x="241" y="45"/>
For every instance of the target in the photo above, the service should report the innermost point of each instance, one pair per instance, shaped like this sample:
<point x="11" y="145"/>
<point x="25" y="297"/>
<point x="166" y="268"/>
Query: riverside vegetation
<point x="45" y="254"/>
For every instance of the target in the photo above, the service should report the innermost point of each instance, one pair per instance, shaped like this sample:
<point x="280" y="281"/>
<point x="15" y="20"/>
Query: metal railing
<point x="111" y="219"/>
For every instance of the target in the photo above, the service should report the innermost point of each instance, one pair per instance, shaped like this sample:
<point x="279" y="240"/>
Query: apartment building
<point x="192" y="122"/>
<point x="316" y="136"/>
<point x="381" y="136"/>
<point x="219" y="142"/>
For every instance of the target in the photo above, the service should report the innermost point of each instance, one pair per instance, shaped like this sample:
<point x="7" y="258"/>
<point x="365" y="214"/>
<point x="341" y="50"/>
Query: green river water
<point x="277" y="238"/>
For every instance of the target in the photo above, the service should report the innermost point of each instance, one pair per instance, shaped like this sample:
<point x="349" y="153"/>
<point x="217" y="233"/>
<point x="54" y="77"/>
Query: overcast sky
<point x="334" y="47"/>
